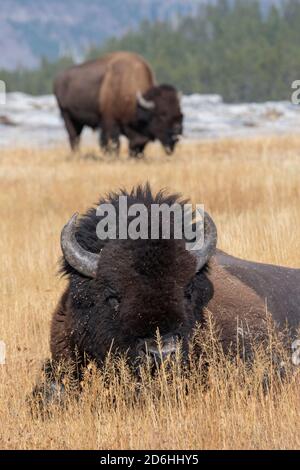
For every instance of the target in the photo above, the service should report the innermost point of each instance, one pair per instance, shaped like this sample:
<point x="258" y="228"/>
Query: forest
<point x="233" y="48"/>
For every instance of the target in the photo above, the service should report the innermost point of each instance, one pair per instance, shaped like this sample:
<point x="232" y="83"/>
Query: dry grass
<point x="251" y="187"/>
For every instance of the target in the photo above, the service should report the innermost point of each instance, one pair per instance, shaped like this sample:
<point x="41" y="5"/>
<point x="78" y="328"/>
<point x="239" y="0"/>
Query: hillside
<point x="239" y="51"/>
<point x="32" y="28"/>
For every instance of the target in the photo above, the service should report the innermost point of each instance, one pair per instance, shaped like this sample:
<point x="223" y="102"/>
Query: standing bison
<point x="122" y="291"/>
<point x="117" y="94"/>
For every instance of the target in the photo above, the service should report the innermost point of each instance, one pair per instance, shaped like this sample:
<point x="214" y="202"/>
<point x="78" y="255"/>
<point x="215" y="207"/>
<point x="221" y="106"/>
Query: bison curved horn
<point x="210" y="242"/>
<point x="143" y="102"/>
<point x="80" y="259"/>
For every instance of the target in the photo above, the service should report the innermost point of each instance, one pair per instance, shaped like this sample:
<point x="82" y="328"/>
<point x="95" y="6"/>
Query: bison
<point x="117" y="93"/>
<point x="121" y="292"/>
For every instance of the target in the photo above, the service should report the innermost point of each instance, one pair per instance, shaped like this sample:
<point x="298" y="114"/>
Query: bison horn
<point x="143" y="102"/>
<point x="210" y="242"/>
<point x="83" y="261"/>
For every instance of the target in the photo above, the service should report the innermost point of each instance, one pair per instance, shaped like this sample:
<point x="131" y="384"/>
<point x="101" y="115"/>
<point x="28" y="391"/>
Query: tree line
<point x="233" y="48"/>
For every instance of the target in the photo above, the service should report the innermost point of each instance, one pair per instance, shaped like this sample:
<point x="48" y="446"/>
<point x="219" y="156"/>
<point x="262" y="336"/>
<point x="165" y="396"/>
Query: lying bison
<point x="121" y="292"/>
<point x="117" y="94"/>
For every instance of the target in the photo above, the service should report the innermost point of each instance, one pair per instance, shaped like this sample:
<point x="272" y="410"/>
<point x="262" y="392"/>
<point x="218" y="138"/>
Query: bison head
<point x="159" y="115"/>
<point x="122" y="292"/>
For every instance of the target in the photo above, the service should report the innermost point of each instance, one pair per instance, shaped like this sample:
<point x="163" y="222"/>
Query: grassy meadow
<point x="251" y="187"/>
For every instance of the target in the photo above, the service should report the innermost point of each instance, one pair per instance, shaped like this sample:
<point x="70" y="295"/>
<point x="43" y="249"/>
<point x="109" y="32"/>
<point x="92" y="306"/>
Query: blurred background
<point x="234" y="60"/>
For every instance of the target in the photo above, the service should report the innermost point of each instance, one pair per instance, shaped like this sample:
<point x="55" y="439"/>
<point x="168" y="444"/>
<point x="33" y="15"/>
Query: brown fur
<point x="60" y="331"/>
<point x="102" y="94"/>
<point x="125" y="74"/>
<point x="235" y="305"/>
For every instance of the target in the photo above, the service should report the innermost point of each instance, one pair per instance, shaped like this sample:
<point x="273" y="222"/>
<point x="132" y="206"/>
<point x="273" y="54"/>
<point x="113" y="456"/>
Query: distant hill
<point x="30" y="29"/>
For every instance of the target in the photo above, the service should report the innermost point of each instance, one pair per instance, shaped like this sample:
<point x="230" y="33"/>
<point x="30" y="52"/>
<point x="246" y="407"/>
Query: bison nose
<point x="159" y="349"/>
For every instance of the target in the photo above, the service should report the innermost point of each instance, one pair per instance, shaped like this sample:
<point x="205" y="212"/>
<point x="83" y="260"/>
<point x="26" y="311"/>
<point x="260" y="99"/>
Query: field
<point x="252" y="190"/>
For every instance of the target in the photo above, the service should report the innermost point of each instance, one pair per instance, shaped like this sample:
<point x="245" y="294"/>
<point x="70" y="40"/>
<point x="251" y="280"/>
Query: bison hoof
<point x="137" y="155"/>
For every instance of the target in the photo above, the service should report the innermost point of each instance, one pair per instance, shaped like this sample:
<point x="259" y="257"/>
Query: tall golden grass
<point x="251" y="188"/>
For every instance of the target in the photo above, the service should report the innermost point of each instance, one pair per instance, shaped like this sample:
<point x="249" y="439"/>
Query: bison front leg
<point x="110" y="138"/>
<point x="115" y="140"/>
<point x="137" y="143"/>
<point x="136" y="151"/>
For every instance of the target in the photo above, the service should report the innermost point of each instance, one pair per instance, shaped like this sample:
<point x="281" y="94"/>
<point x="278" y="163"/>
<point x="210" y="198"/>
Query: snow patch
<point x="30" y="120"/>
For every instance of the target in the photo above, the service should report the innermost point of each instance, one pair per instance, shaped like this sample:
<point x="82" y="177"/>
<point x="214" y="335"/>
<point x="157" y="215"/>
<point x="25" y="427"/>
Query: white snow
<point x="29" y="120"/>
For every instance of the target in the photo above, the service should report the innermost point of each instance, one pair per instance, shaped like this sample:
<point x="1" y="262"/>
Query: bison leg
<point x="74" y="129"/>
<point x="136" y="151"/>
<point x="110" y="138"/>
<point x="137" y="142"/>
<point x="115" y="141"/>
<point x="137" y="147"/>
